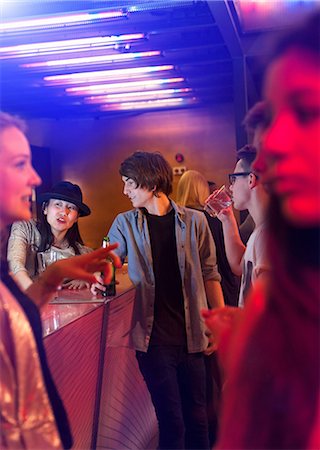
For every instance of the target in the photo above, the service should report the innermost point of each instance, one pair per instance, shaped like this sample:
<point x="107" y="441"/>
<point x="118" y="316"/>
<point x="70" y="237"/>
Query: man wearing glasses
<point x="247" y="193"/>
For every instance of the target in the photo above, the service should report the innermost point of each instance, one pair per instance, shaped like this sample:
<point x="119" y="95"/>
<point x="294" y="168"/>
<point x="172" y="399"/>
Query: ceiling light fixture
<point x="120" y="87"/>
<point x="133" y="96"/>
<point x="41" y="48"/>
<point x="143" y="105"/>
<point x="92" y="59"/>
<point x="56" y="21"/>
<point x="104" y="75"/>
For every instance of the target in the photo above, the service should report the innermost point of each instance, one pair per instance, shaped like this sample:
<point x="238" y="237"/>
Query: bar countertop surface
<point x="69" y="305"/>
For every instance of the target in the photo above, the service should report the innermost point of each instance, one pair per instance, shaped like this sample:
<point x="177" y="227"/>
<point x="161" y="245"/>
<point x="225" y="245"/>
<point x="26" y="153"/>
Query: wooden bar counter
<point x="96" y="372"/>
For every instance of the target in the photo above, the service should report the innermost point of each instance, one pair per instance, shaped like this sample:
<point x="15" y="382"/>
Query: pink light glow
<point x="58" y="21"/>
<point x="120" y="87"/>
<point x="157" y="94"/>
<point x="92" y="59"/>
<point x="66" y="45"/>
<point x="88" y="77"/>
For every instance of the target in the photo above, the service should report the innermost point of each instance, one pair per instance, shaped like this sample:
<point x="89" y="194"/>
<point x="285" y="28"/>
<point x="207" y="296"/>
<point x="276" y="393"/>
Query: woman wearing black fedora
<point x="55" y="235"/>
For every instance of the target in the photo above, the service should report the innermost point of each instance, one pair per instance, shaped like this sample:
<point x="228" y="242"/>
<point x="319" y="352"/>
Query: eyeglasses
<point x="233" y="176"/>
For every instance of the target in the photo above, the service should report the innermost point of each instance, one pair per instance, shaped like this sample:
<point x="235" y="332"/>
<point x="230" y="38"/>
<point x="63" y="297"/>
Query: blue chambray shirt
<point x="197" y="262"/>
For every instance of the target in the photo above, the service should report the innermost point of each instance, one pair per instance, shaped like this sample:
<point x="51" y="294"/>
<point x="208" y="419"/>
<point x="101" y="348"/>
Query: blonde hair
<point x="193" y="189"/>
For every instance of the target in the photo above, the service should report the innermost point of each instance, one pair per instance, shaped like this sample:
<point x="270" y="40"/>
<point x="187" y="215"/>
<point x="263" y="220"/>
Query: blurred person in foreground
<point x="55" y="232"/>
<point x="32" y="415"/>
<point x="271" y="399"/>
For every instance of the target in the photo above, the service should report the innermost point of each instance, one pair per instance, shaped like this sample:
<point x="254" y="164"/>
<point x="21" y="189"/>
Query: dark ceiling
<point x="209" y="58"/>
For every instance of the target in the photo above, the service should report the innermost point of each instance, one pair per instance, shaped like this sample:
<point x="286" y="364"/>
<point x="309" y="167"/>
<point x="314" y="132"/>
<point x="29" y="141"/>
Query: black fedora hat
<point x="69" y="192"/>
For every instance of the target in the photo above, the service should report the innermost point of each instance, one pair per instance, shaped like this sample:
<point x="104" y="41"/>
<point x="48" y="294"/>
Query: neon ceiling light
<point x="120" y="87"/>
<point x="143" y="105"/>
<point x="84" y="44"/>
<point x="92" y="59"/>
<point x="104" y="75"/>
<point x="133" y="96"/>
<point x="59" y="21"/>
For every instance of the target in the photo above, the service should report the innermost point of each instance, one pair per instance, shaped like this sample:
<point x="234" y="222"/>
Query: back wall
<point x="89" y="151"/>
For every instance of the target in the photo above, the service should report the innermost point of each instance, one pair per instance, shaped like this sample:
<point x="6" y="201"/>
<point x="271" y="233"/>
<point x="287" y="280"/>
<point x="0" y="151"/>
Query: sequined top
<point x="23" y="247"/>
<point x="32" y="415"/>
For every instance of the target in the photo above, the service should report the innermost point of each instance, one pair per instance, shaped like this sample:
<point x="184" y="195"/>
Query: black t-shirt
<point x="34" y="318"/>
<point x="169" y="319"/>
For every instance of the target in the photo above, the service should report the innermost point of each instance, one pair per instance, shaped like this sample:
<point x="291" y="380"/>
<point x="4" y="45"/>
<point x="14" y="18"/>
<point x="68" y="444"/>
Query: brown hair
<point x="148" y="170"/>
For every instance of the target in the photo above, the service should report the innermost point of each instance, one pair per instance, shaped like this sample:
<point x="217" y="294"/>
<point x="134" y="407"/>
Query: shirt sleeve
<point x="18" y="246"/>
<point x="207" y="252"/>
<point x="117" y="235"/>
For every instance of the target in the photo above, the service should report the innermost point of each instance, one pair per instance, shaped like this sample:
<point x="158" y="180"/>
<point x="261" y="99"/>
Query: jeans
<point x="176" y="381"/>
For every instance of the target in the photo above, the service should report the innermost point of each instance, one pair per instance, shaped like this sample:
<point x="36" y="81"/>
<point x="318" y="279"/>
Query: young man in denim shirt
<point x="172" y="263"/>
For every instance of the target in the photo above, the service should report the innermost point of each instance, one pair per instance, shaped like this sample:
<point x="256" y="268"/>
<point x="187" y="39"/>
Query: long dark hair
<point x="73" y="234"/>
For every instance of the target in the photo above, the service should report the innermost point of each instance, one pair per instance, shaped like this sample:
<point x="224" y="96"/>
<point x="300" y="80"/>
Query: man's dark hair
<point x="256" y="117"/>
<point x="148" y="170"/>
<point x="247" y="155"/>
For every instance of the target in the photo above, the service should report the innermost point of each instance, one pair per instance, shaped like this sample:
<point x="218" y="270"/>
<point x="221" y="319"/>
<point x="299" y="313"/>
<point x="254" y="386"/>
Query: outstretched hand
<point x="81" y="267"/>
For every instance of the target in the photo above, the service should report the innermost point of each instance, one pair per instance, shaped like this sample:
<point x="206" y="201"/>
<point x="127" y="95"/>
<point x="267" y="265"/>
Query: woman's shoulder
<point x="24" y="225"/>
<point x="25" y="228"/>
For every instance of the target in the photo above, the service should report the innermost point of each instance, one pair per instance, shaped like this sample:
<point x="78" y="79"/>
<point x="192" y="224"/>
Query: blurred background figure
<point x="254" y="123"/>
<point x="272" y="397"/>
<point x="55" y="235"/>
<point x="192" y="191"/>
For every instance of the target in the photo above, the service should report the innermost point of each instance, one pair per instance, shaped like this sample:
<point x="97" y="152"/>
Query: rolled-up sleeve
<point x="116" y="236"/>
<point x="207" y="251"/>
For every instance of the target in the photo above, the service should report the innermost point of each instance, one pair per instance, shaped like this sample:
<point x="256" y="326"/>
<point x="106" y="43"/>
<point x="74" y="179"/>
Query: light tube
<point x="92" y="59"/>
<point x="118" y="87"/>
<point x="59" y="21"/>
<point x="133" y="96"/>
<point x="83" y="44"/>
<point x="143" y="105"/>
<point x="104" y="75"/>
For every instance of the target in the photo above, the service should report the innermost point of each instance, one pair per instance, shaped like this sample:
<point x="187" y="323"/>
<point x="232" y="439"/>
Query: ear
<point x="253" y="180"/>
<point x="45" y="208"/>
